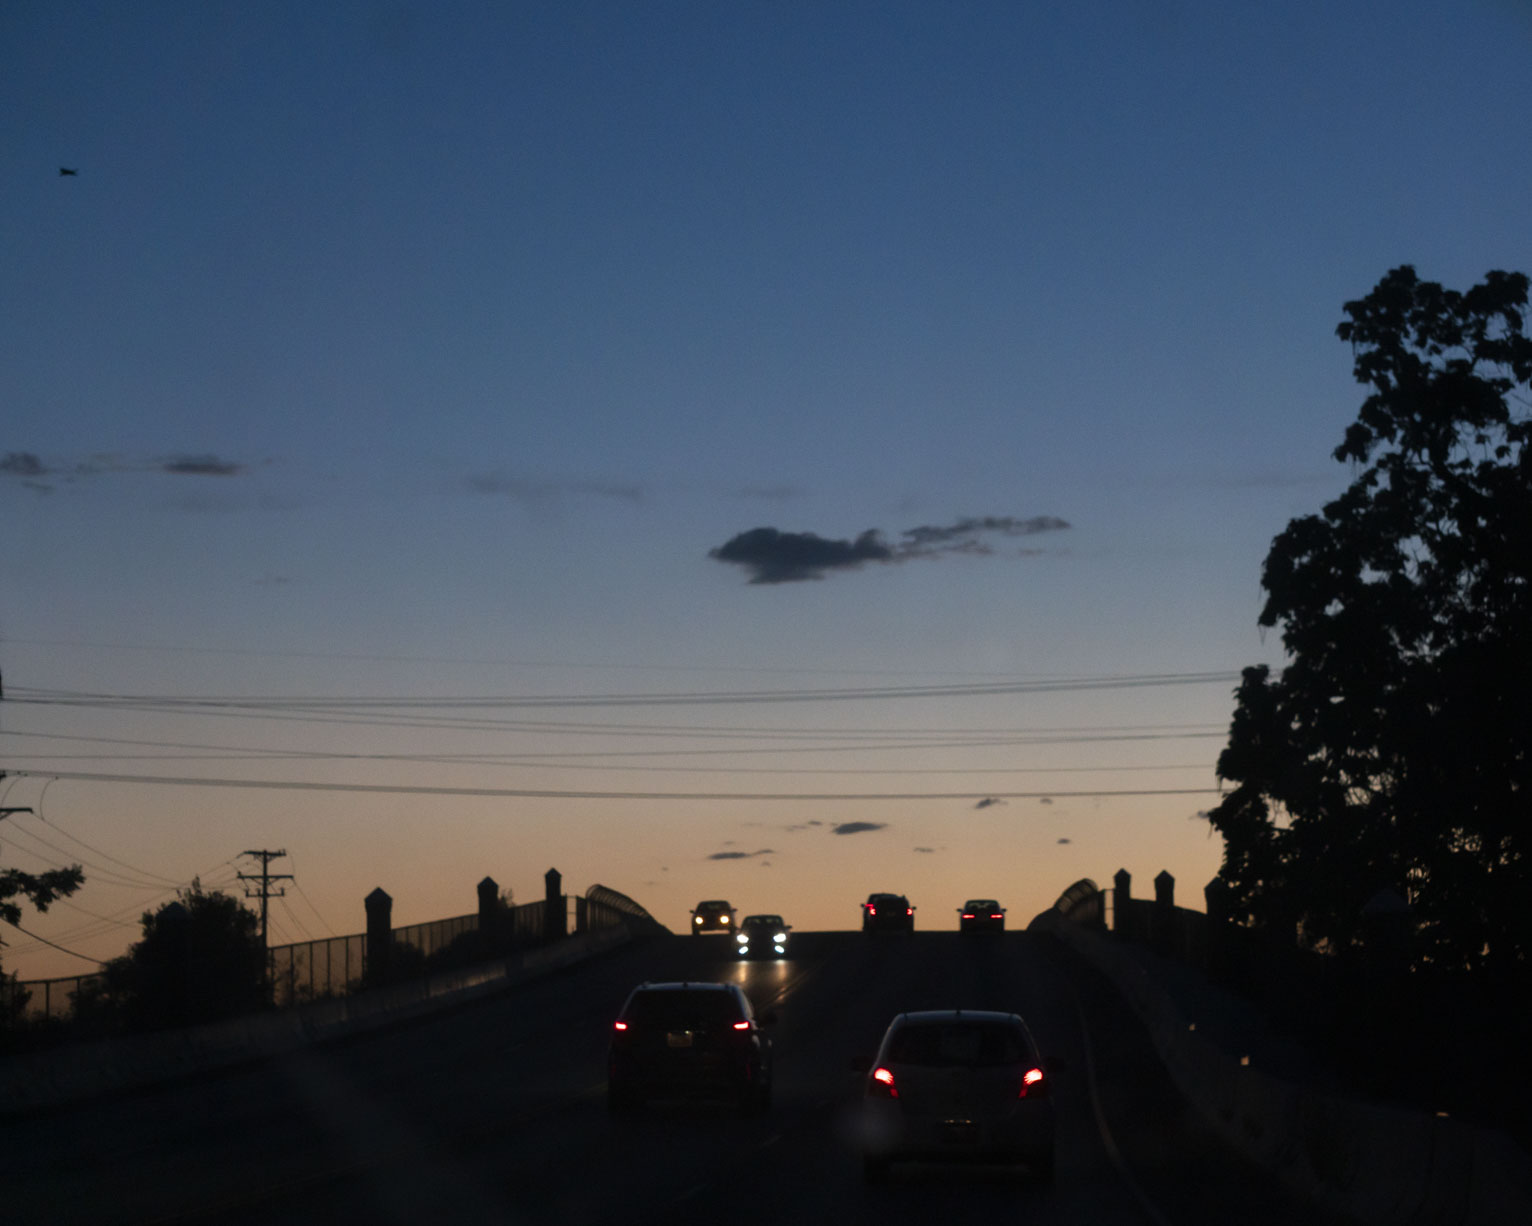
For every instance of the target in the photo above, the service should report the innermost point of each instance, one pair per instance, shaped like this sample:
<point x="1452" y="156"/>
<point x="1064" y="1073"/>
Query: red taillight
<point x="882" y="1084"/>
<point x="741" y="1025"/>
<point x="1000" y="916"/>
<point x="1032" y="1084"/>
<point x="619" y="1025"/>
<point x="909" y="910"/>
<point x="871" y="910"/>
<point x="967" y="914"/>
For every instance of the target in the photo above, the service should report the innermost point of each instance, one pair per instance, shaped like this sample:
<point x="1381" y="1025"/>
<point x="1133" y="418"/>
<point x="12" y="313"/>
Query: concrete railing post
<point x="1166" y="939"/>
<point x="1122" y="903"/>
<point x="555" y="923"/>
<point x="380" y="934"/>
<point x="489" y="911"/>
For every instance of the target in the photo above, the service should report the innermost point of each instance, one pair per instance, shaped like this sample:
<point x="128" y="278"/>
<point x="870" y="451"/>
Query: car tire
<point x="874" y="1170"/>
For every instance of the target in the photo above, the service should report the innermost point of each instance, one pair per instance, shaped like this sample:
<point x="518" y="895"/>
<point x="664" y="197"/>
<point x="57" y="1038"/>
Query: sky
<point x="764" y="451"/>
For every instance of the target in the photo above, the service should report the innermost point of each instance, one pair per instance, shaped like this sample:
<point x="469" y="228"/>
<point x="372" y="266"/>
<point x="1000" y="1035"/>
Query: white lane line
<point x="1107" y="1141"/>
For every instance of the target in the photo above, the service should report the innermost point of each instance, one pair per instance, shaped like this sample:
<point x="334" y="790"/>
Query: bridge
<point x="487" y="1104"/>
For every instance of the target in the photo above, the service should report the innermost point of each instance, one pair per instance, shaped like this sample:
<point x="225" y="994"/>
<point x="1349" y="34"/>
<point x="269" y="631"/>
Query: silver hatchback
<point x="958" y="1085"/>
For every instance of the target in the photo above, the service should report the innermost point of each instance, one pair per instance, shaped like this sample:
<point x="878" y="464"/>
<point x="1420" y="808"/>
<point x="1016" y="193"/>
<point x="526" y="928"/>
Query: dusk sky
<point x="768" y="451"/>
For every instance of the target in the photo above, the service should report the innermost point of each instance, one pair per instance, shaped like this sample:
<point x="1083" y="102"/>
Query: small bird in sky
<point x="65" y="170"/>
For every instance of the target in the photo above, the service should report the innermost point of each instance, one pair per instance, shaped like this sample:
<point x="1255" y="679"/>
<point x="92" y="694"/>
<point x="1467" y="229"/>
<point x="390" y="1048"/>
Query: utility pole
<point x="265" y="877"/>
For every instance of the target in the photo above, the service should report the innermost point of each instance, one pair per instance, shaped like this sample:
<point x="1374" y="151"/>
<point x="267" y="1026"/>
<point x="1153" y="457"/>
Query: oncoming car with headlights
<point x="762" y="936"/>
<point x="712" y="915"/>
<point x="958" y="1085"/>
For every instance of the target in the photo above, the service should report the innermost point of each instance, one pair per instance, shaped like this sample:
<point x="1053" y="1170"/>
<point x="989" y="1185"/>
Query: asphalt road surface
<point x="495" y="1112"/>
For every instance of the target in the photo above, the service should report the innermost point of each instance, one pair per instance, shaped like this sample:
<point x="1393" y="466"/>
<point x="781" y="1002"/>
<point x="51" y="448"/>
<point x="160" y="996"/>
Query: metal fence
<point x="313" y="970"/>
<point x="41" y="998"/>
<point x="336" y="966"/>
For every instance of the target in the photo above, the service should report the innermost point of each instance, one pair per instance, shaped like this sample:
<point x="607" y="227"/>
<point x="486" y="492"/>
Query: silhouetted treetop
<point x="1391" y="751"/>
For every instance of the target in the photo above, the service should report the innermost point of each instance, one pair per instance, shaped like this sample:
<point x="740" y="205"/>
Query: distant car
<point x="689" y="1040"/>
<point x="762" y="936"/>
<point x="958" y="1085"/>
<point x="981" y="915"/>
<point x="888" y="913"/>
<point x="715" y="915"/>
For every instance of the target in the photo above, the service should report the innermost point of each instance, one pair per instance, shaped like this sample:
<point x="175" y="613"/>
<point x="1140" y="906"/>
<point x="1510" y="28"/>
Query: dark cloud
<point x="741" y="855"/>
<point x="773" y="556"/>
<point x="1045" y="800"/>
<point x="964" y="535"/>
<point x="22" y="464"/>
<point x="31" y="469"/>
<point x="1063" y="841"/>
<point x="531" y="491"/>
<point x="857" y="827"/>
<point x="201" y="466"/>
<point x="989" y="801"/>
<point x="789" y="557"/>
<point x="926" y="851"/>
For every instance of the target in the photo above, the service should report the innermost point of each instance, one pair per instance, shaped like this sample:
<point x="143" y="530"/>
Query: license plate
<point x="679" y="1038"/>
<point x="958" y="1132"/>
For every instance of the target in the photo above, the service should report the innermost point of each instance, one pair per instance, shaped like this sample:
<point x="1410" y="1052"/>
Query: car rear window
<point x="682" y="1009"/>
<point x="959" y="1045"/>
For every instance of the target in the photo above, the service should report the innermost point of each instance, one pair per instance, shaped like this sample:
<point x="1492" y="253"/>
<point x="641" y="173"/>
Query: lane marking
<point x="1107" y="1140"/>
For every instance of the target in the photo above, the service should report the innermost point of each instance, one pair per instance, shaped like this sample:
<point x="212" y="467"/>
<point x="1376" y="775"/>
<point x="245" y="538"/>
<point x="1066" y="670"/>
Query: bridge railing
<point x="336" y="966"/>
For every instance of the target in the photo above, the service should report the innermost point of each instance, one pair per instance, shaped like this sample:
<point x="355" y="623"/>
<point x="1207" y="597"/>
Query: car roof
<point x="870" y="897"/>
<point x="981" y="902"/>
<point x="695" y="985"/>
<point x="714" y="902"/>
<point x="767" y="918"/>
<point x="937" y="1017"/>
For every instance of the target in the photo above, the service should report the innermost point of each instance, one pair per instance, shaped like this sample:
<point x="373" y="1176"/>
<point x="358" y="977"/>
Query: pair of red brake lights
<point x="882" y="1084"/>
<point x="620" y="1025"/>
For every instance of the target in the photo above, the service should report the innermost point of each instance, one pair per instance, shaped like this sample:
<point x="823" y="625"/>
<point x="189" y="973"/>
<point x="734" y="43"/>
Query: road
<point x="495" y="1112"/>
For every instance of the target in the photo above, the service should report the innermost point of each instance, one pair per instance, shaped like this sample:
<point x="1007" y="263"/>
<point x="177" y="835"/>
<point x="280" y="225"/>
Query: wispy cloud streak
<point x="773" y="556"/>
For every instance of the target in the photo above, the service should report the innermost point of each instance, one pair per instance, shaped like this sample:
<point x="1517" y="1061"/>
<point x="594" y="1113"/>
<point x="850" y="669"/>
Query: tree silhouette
<point x="200" y="959"/>
<point x="39" y="889"/>
<point x="1391" y="751"/>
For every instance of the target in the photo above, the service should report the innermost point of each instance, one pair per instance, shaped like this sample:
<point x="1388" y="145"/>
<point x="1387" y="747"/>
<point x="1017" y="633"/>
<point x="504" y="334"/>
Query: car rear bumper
<point x="1025" y="1135"/>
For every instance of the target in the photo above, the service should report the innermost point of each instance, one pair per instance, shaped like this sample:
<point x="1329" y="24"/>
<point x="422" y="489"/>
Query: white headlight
<point x="743" y="939"/>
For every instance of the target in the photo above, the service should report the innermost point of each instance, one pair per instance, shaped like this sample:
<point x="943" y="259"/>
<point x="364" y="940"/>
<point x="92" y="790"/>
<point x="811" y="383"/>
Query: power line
<point x="101" y="874"/>
<point x="388" y="658"/>
<point x="333" y="705"/>
<point x="51" y="945"/>
<point x="556" y="794"/>
<point x="97" y="851"/>
<point x="303" y="894"/>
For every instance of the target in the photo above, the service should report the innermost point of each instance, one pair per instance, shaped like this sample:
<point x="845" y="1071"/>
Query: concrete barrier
<point x="80" y="1071"/>
<point x="1383" y="1165"/>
